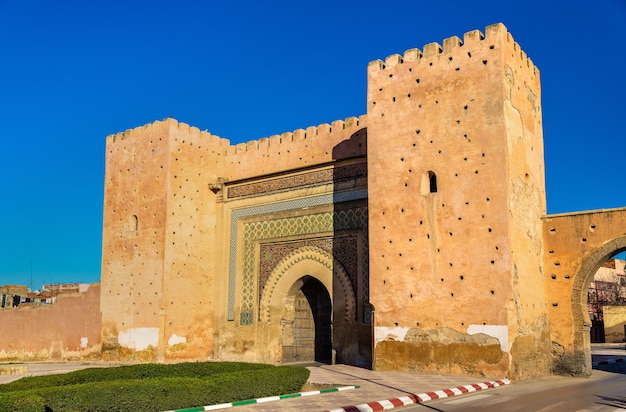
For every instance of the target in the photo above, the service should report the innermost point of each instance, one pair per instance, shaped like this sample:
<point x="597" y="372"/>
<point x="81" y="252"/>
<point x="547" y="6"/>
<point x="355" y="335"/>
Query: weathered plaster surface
<point x="615" y="323"/>
<point x="175" y="340"/>
<point x="396" y="333"/>
<point x="442" y="350"/>
<point x="139" y="338"/>
<point x="67" y="329"/>
<point x="500" y="332"/>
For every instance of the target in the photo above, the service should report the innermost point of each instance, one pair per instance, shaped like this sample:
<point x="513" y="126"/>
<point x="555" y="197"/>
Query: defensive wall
<point x="68" y="329"/>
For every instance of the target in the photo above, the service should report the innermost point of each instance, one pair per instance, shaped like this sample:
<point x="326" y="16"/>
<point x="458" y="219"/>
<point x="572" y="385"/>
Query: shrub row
<point x="127" y="372"/>
<point x="158" y="393"/>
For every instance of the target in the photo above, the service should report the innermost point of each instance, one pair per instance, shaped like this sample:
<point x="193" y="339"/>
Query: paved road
<point x="605" y="391"/>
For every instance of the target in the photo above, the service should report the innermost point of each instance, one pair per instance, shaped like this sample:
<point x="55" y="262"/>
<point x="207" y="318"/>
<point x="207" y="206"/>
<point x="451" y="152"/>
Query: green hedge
<point x="141" y="371"/>
<point x="157" y="393"/>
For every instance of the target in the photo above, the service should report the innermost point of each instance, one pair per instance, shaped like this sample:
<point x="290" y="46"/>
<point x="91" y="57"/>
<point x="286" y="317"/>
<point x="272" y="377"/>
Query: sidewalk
<point x="373" y="386"/>
<point x="380" y="386"/>
<point x="607" y="353"/>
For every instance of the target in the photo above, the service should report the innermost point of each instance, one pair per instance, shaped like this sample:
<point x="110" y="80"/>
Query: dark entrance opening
<point x="312" y="330"/>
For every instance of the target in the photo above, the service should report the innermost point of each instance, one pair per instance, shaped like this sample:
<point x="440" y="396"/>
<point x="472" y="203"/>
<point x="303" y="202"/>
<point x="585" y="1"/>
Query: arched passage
<point x="576" y="245"/>
<point x="306" y="323"/>
<point x="304" y="295"/>
<point x="582" y="280"/>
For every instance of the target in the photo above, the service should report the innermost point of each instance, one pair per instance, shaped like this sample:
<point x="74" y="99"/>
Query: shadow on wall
<point x="351" y="338"/>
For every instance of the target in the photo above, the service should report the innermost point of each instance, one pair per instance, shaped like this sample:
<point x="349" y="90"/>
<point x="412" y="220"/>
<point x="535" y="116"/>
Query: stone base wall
<point x="614" y="324"/>
<point x="441" y="351"/>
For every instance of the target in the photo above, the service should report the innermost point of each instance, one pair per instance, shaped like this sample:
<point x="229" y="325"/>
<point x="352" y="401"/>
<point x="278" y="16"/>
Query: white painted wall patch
<point x="175" y="340"/>
<point x="139" y="338"/>
<point x="382" y="333"/>
<point x="500" y="332"/>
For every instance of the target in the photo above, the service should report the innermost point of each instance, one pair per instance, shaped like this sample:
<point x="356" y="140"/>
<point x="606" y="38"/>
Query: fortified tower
<point x="159" y="242"/>
<point x="456" y="194"/>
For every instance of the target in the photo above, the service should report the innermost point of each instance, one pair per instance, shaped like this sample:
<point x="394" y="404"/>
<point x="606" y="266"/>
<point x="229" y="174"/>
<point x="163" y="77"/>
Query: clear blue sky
<point x="73" y="72"/>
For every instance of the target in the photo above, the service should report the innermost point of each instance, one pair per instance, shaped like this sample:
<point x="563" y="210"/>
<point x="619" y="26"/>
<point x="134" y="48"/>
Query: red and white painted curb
<point x="421" y="398"/>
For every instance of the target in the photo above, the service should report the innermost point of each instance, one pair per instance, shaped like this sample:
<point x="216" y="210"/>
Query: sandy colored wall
<point x="67" y="329"/>
<point x="292" y="150"/>
<point x="188" y="306"/>
<point x="614" y="323"/>
<point x="526" y="203"/>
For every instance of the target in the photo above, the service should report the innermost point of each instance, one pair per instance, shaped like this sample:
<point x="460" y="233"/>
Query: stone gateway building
<point x="414" y="237"/>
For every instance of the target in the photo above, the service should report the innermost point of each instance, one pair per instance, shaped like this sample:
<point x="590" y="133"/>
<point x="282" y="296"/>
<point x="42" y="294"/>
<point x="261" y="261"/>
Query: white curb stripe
<point x="456" y="391"/>
<point x="406" y="400"/>
<point x="220" y="406"/>
<point x="345" y="388"/>
<point x="268" y="399"/>
<point x="423" y="397"/>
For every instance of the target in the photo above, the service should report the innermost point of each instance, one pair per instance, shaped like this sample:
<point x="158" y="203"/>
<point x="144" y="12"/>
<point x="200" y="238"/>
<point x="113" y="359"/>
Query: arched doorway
<point x="308" y="302"/>
<point x="582" y="281"/>
<point x="307" y="336"/>
<point x="607" y="293"/>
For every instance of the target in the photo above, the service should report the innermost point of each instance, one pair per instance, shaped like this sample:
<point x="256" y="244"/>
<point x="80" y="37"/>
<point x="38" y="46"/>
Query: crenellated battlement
<point x="300" y="135"/>
<point x="184" y="128"/>
<point x="473" y="41"/>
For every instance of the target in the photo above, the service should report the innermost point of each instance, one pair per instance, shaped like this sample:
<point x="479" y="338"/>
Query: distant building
<point x="13" y="296"/>
<point x="59" y="288"/>
<point x="14" y="290"/>
<point x="607" y="290"/>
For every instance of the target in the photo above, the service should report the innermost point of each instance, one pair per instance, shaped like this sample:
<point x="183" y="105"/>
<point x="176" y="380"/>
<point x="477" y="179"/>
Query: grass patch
<point x="150" y="387"/>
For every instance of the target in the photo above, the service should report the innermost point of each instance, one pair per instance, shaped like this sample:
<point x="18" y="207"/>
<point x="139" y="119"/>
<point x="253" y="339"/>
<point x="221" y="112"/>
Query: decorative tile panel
<point x="343" y="248"/>
<point x="314" y="178"/>
<point x="277" y="228"/>
<point x="295" y="226"/>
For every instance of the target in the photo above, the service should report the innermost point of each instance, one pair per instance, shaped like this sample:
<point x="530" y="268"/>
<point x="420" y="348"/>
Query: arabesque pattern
<point x="287" y="227"/>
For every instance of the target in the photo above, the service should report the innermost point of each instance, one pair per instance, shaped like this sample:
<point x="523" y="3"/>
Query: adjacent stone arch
<point x="582" y="280"/>
<point x="311" y="261"/>
<point x="576" y="245"/>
